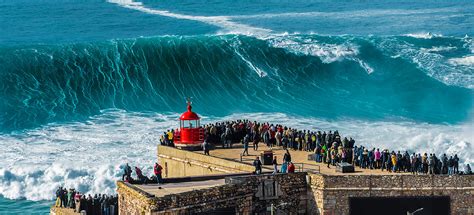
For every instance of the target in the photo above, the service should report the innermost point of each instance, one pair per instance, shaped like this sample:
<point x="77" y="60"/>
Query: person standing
<point x="394" y="162"/>
<point x="258" y="165"/>
<point x="450" y="165"/>
<point x="127" y="172"/>
<point x="205" y="147"/>
<point x="284" y="167"/>
<point x="77" y="200"/>
<point x="157" y="169"/>
<point x="287" y="156"/>
<point x="64" y="198"/>
<point x="413" y="163"/>
<point x="431" y="163"/>
<point x="456" y="164"/>
<point x="245" y="142"/>
<point x="275" y="165"/>
<point x="377" y="156"/>
<point x="256" y="139"/>
<point x="170" y="137"/>
<point x="291" y="167"/>
<point x="328" y="156"/>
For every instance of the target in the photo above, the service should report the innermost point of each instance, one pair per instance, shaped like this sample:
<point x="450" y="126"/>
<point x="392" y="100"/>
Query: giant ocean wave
<point x="428" y="80"/>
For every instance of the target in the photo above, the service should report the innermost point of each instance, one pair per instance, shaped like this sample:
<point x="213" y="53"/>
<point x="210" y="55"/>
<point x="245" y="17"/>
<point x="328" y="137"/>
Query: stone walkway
<point x="299" y="158"/>
<point x="173" y="188"/>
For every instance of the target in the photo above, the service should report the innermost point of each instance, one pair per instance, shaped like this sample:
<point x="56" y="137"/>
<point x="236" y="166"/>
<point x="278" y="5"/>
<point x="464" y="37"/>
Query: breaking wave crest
<point x="320" y="76"/>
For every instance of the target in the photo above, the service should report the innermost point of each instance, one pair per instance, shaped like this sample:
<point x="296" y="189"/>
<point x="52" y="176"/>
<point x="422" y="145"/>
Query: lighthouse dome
<point x="189" y="115"/>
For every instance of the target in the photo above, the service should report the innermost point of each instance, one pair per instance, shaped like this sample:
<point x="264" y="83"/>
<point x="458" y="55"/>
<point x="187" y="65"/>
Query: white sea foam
<point x="464" y="61"/>
<point x="454" y="71"/>
<point x="439" y="49"/>
<point x="427" y="35"/>
<point x="328" y="53"/>
<point x="223" y="22"/>
<point x="346" y="14"/>
<point x="87" y="155"/>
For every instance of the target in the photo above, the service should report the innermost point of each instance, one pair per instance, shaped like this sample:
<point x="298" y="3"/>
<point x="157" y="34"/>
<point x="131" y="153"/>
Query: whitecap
<point x="463" y="61"/>
<point x="91" y="153"/>
<point x="427" y="35"/>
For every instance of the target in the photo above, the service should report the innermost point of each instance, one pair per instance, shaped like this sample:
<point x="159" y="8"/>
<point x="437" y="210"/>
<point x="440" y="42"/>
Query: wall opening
<point x="425" y="205"/>
<point x="218" y="211"/>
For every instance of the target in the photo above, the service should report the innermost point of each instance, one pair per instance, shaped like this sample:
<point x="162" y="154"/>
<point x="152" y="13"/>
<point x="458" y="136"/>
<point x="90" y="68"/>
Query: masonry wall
<point x="244" y="195"/>
<point x="133" y="201"/>
<point x="323" y="194"/>
<point x="62" y="211"/>
<point x="331" y="193"/>
<point x="180" y="163"/>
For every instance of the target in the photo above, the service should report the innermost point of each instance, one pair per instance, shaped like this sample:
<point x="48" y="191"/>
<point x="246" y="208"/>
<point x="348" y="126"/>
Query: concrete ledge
<point x="62" y="211"/>
<point x="203" y="178"/>
<point x="181" y="163"/>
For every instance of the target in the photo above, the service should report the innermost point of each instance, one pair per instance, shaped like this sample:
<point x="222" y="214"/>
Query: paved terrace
<point x="299" y="158"/>
<point x="173" y="188"/>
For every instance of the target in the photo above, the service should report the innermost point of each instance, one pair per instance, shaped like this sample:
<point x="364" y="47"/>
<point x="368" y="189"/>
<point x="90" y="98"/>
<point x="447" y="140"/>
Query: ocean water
<point x="89" y="85"/>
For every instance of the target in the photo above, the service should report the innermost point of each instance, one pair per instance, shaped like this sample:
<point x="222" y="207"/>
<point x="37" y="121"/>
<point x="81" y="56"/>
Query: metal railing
<point x="306" y="167"/>
<point x="301" y="167"/>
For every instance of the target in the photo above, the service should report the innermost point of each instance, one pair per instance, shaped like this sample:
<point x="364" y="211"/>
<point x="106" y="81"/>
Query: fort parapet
<point x="306" y="192"/>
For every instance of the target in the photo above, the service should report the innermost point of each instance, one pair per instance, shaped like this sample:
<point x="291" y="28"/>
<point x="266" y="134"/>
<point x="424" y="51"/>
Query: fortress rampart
<point x="297" y="193"/>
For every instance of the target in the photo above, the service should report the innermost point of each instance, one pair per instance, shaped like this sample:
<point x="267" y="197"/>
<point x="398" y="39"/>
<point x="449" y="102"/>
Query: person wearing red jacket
<point x="157" y="170"/>
<point x="291" y="167"/>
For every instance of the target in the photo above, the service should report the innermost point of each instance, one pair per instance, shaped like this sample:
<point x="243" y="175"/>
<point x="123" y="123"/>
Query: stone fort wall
<point x="330" y="194"/>
<point x="240" y="195"/>
<point x="181" y="163"/>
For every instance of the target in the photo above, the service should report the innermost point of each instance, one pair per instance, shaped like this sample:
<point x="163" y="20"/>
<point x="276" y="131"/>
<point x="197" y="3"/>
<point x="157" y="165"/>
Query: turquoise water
<point x="88" y="85"/>
<point x="8" y="206"/>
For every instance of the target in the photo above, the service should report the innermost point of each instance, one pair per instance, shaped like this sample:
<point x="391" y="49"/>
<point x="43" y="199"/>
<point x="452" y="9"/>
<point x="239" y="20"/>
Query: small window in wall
<point x="166" y="169"/>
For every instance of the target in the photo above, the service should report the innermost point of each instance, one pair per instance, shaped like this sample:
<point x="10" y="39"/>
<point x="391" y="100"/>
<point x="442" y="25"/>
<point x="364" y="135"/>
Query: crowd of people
<point x="245" y="131"/>
<point x="100" y="204"/>
<point x="167" y="138"/>
<point x="329" y="147"/>
<point x="141" y="178"/>
<point x="416" y="163"/>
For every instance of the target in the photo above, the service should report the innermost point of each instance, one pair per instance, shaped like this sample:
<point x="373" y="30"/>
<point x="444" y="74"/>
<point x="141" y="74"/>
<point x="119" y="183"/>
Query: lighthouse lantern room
<point x="190" y="133"/>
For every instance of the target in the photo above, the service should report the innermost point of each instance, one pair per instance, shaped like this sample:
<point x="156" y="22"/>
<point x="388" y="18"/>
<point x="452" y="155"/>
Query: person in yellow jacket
<point x="394" y="162"/>
<point x="170" y="137"/>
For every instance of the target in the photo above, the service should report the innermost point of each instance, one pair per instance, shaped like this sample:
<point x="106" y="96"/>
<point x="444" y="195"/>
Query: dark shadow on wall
<point x="426" y="205"/>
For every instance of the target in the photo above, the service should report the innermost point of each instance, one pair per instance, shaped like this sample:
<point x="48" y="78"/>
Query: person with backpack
<point x="258" y="165"/>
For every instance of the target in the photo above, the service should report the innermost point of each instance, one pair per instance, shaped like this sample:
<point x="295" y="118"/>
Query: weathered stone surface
<point x="341" y="188"/>
<point x="240" y="196"/>
<point x="298" y="193"/>
<point x="62" y="211"/>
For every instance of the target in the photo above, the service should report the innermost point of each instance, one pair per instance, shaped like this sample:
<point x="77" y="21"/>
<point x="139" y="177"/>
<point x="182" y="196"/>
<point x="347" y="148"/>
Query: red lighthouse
<point x="190" y="133"/>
